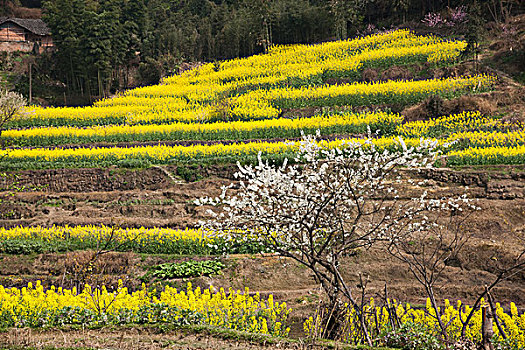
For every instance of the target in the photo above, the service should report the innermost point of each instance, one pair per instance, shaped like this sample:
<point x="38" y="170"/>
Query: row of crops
<point x="466" y="138"/>
<point x="192" y="96"/>
<point x="34" y="307"/>
<point x="37" y="239"/>
<point x="238" y="108"/>
<point x="31" y="306"/>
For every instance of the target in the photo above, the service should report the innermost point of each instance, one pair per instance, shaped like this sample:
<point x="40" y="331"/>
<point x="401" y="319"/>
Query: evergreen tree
<point x="66" y="18"/>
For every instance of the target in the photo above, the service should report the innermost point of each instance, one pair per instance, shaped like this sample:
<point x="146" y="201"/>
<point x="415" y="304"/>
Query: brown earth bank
<point x="133" y="338"/>
<point x="158" y="197"/>
<point x="163" y="177"/>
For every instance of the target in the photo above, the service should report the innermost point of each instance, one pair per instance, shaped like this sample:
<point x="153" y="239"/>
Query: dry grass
<point x="427" y="109"/>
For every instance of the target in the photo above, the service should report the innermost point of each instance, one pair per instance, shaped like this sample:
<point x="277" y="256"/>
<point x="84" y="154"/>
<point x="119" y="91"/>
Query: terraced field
<point x="122" y="176"/>
<point x="258" y="98"/>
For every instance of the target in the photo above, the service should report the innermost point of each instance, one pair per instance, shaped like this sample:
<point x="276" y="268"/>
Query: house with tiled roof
<point x="20" y="34"/>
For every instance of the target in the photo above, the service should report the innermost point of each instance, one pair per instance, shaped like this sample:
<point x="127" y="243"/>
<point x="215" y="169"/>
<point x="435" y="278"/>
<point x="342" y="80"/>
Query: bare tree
<point x="329" y="205"/>
<point x="88" y="268"/>
<point x="504" y="273"/>
<point x="427" y="252"/>
<point x="501" y="10"/>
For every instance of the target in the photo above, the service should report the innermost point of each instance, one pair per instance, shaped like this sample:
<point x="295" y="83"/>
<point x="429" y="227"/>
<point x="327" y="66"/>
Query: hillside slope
<point x="139" y="160"/>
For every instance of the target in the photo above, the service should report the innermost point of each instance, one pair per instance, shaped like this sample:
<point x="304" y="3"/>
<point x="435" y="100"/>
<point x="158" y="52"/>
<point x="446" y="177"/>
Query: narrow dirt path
<point x="132" y="339"/>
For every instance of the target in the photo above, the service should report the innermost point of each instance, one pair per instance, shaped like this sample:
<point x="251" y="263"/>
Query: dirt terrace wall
<point x="89" y="180"/>
<point x="505" y="182"/>
<point x="498" y="183"/>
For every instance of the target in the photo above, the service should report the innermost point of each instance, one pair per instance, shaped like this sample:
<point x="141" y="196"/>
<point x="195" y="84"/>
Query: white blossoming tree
<point x="327" y="205"/>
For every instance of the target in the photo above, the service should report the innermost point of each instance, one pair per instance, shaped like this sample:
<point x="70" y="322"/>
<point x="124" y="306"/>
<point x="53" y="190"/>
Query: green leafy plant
<point x="29" y="246"/>
<point x="133" y="163"/>
<point x="188" y="269"/>
<point x="189" y="173"/>
<point x="15" y="246"/>
<point x="412" y="336"/>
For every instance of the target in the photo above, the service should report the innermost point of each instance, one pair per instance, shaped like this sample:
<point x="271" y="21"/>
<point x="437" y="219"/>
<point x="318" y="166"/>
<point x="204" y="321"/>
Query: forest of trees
<point x="99" y="42"/>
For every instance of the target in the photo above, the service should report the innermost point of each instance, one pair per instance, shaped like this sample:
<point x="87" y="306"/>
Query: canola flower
<point x="378" y="321"/>
<point x="487" y="139"/>
<point x="144" y="240"/>
<point x="164" y="153"/>
<point x="488" y="156"/>
<point x="235" y="130"/>
<point x="292" y="60"/>
<point x="243" y="98"/>
<point x="271" y="73"/>
<point x="463" y="148"/>
<point x="269" y="102"/>
<point x="192" y="96"/>
<point x="144" y="111"/>
<point x="32" y="306"/>
<point x="93" y="232"/>
<point x="468" y="120"/>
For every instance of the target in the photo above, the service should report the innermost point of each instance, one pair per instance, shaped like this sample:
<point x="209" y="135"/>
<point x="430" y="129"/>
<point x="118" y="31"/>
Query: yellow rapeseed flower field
<point x="93" y="232"/>
<point x="256" y="98"/>
<point x="219" y="130"/>
<point x="191" y="96"/>
<point x="163" y="153"/>
<point x="378" y="318"/>
<point x="32" y="306"/>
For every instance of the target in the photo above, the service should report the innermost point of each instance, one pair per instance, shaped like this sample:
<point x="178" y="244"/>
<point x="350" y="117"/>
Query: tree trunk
<point x="100" y="87"/>
<point x="333" y="320"/>
<point x="430" y="293"/>
<point x="486" y="328"/>
<point x="493" y="310"/>
<point x="30" y="83"/>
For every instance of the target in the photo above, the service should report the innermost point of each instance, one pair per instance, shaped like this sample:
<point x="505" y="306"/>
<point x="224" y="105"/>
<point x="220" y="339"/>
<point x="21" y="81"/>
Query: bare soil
<point x="139" y="338"/>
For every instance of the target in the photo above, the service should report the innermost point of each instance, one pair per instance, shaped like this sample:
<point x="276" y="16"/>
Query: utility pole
<point x="30" y="82"/>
